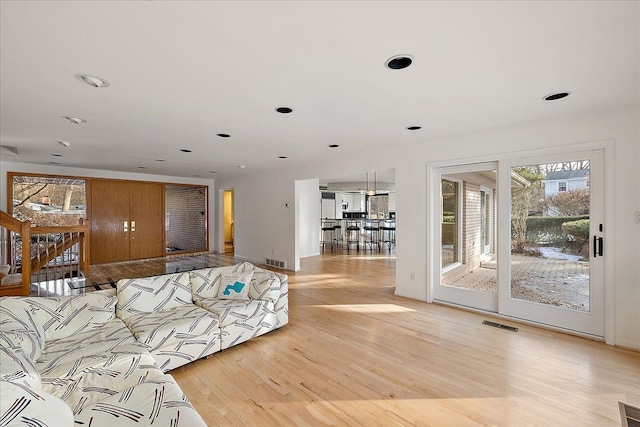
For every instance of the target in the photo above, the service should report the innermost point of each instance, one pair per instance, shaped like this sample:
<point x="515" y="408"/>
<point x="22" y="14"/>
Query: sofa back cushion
<point x="151" y="294"/>
<point x="265" y="285"/>
<point x="63" y="317"/>
<point x="19" y="326"/>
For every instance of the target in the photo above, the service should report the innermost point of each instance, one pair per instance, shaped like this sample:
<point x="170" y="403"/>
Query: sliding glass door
<point x="522" y="237"/>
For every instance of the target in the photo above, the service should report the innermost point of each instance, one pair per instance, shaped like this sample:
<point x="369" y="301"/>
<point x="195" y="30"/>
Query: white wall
<point x="264" y="227"/>
<point x="307" y="220"/>
<point x="410" y="161"/>
<point x="6" y="166"/>
<point x="622" y="198"/>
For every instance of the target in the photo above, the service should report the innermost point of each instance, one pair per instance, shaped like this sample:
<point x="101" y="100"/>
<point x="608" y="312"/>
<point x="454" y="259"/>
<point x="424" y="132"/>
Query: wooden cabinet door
<point x="146" y="211"/>
<point x="109" y="212"/>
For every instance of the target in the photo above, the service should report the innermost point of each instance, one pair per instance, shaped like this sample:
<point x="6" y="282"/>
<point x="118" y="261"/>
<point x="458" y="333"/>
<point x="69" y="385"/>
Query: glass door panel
<point x="555" y="206"/>
<point x="466" y="263"/>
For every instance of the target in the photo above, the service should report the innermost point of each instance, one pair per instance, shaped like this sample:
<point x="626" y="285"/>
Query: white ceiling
<point x="181" y="72"/>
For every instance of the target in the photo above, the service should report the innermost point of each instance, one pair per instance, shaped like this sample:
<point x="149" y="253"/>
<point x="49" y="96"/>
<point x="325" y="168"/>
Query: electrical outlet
<point x="637" y="217"/>
<point x="413" y="276"/>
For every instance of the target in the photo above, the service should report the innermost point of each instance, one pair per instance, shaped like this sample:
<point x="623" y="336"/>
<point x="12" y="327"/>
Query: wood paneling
<point x="115" y="202"/>
<point x="109" y="211"/>
<point x="147" y="220"/>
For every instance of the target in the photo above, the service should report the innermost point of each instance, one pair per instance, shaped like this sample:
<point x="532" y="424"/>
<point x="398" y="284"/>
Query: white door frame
<point x="608" y="147"/>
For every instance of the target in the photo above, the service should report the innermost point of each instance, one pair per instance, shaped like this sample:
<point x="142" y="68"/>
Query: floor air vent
<point x="277" y="264"/>
<point x="630" y="415"/>
<point x="500" y="326"/>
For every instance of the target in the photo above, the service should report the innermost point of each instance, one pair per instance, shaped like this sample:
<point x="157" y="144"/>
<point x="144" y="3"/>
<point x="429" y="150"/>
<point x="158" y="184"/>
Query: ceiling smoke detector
<point x="92" y="80"/>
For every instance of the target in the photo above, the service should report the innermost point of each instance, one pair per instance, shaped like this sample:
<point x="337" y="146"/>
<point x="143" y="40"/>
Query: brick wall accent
<point x="186" y="218"/>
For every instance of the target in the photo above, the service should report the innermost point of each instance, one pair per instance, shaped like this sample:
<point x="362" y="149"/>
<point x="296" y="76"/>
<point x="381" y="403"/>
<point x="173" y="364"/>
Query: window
<point x="562" y="186"/>
<point x="48" y="201"/>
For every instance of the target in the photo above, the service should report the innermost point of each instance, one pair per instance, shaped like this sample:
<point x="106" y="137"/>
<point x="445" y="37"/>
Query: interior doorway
<point x="228" y="223"/>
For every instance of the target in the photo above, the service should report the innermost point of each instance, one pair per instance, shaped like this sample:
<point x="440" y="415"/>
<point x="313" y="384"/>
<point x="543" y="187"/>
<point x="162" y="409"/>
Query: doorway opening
<point x="228" y="225"/>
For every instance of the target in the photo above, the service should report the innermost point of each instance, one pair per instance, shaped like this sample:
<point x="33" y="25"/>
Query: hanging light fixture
<point x="370" y="192"/>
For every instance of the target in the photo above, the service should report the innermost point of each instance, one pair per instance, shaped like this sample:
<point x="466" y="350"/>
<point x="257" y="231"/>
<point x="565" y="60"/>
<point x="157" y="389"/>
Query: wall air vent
<point x="277" y="264"/>
<point x="630" y="415"/>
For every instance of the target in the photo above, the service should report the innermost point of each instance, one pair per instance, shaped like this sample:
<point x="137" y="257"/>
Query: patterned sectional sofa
<point x="100" y="358"/>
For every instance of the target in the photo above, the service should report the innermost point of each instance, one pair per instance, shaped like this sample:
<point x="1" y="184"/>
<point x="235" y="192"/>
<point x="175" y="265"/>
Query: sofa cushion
<point x="61" y="317"/>
<point x="149" y="294"/>
<point x="92" y="365"/>
<point x="230" y="311"/>
<point x="265" y="285"/>
<point x="20" y="326"/>
<point x="17" y="367"/>
<point x="235" y="286"/>
<point x="164" y="328"/>
<point x="157" y="402"/>
<point x="22" y="406"/>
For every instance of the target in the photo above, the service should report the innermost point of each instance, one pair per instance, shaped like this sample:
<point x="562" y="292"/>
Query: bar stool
<point x="337" y="233"/>
<point x="327" y="233"/>
<point x="371" y="232"/>
<point x="353" y="234"/>
<point x="388" y="231"/>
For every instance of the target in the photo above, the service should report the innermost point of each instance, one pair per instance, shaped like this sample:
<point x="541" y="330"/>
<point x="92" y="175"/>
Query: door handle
<point x="126" y="226"/>
<point x="133" y="226"/>
<point x="598" y="246"/>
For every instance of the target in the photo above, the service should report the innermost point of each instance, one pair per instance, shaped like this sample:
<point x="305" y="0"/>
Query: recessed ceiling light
<point x="414" y="127"/>
<point x="284" y="110"/>
<point x="333" y="146"/>
<point x="282" y="157"/>
<point x="554" y="96"/>
<point x="142" y="167"/>
<point x="92" y="80"/>
<point x="242" y="166"/>
<point x="223" y="135"/>
<point x="196" y="175"/>
<point x="57" y="155"/>
<point x="74" y="120"/>
<point x="184" y="150"/>
<point x="213" y="172"/>
<point x="399" y="62"/>
<point x="160" y="160"/>
<point x="54" y="163"/>
<point x="65" y="144"/>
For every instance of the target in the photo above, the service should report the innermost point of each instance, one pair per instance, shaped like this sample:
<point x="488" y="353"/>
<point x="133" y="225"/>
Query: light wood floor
<point x="354" y="354"/>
